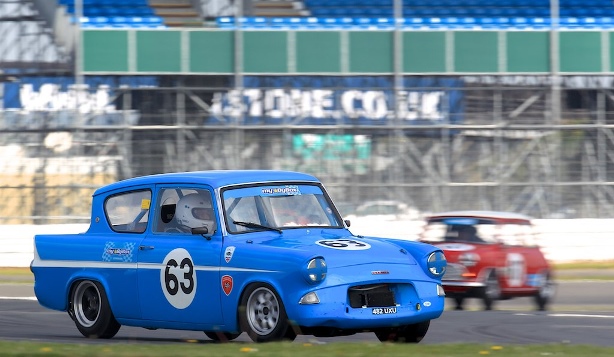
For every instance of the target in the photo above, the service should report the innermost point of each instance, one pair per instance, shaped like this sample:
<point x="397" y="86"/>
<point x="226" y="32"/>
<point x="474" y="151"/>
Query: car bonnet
<point x="347" y="250"/>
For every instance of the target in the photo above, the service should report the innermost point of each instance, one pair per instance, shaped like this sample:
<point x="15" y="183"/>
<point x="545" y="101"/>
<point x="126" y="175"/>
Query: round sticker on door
<point x="516" y="269"/>
<point x="343" y="244"/>
<point x="178" y="278"/>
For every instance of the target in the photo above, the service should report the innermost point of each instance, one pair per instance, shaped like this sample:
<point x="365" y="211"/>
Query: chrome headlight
<point x="436" y="264"/>
<point x="316" y="270"/>
<point x="469" y="259"/>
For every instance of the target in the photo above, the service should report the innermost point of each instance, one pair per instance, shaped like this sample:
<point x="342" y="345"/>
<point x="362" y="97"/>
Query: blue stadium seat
<point x="605" y="21"/>
<point x="225" y="22"/>
<point x="569" y="22"/>
<point x="519" y="23"/>
<point x="255" y="22"/>
<point x="492" y="22"/>
<point x="539" y="22"/>
<point x="414" y="22"/>
<point x="319" y="12"/>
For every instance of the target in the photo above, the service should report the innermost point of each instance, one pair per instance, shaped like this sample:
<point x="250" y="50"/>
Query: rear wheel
<point x="491" y="291"/>
<point x="262" y="315"/>
<point x="89" y="308"/>
<point x="459" y="300"/>
<point x="408" y="334"/>
<point x="546" y="291"/>
<point x="221" y="336"/>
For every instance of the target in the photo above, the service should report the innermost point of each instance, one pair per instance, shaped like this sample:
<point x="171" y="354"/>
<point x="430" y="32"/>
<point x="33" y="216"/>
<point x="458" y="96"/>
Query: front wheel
<point x="491" y="291"/>
<point x="262" y="315"/>
<point x="89" y="308"/>
<point x="409" y="333"/>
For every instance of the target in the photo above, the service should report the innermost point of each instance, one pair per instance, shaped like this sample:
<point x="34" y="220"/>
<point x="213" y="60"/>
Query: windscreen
<point x="278" y="206"/>
<point x="472" y="230"/>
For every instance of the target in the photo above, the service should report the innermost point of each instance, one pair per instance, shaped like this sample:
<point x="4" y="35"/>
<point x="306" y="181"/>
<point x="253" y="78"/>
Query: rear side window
<point x="128" y="212"/>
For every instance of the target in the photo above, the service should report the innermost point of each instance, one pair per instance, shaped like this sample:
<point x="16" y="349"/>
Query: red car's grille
<point x="454" y="271"/>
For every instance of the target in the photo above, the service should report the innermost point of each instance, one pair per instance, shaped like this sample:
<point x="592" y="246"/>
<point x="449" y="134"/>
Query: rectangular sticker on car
<point x="384" y="310"/>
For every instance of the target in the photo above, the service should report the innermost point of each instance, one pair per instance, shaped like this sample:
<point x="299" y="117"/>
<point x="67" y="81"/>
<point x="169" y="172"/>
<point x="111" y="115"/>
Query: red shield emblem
<point x="227" y="284"/>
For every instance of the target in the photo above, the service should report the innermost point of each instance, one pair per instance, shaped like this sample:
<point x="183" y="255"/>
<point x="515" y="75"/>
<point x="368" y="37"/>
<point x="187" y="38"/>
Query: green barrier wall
<point x="197" y="51"/>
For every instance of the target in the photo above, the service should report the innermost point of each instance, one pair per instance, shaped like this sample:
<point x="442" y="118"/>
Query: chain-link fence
<point x="501" y="148"/>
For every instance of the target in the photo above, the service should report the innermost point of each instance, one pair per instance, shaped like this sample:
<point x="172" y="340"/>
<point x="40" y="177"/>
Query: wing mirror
<point x="203" y="231"/>
<point x="347" y="222"/>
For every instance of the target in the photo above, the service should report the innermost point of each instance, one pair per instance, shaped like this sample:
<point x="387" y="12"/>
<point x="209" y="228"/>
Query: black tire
<point x="408" y="334"/>
<point x="491" y="291"/>
<point x="89" y="308"/>
<point x="221" y="336"/>
<point x="546" y="291"/>
<point x="263" y="316"/>
<point x="459" y="300"/>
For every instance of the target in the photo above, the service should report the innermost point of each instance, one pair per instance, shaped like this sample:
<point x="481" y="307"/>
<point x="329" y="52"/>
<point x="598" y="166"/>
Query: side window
<point x="128" y="212"/>
<point x="180" y="209"/>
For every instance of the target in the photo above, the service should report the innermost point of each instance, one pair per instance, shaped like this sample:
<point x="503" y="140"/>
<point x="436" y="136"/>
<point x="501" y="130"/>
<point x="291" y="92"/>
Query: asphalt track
<point x="582" y="313"/>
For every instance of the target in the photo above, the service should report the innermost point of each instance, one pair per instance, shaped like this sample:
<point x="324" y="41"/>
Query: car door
<point x="523" y="259"/>
<point x="178" y="272"/>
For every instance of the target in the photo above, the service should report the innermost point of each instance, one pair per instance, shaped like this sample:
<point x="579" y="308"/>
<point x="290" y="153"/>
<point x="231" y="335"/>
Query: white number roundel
<point x="178" y="278"/>
<point x="344" y="244"/>
<point x="516" y="269"/>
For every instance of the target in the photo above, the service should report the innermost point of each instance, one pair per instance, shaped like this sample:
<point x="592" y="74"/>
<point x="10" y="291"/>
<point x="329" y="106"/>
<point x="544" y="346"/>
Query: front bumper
<point x="414" y="302"/>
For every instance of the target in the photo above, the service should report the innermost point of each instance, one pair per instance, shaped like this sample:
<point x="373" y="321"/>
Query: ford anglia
<point x="225" y="252"/>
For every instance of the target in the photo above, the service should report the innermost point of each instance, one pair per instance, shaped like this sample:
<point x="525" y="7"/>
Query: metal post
<point x="79" y="79"/>
<point x="555" y="102"/>
<point x="398" y="87"/>
<point x="238" y="135"/>
<point x="181" y="132"/>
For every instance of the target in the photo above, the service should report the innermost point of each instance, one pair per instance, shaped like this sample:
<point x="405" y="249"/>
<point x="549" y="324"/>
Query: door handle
<point x="146" y="247"/>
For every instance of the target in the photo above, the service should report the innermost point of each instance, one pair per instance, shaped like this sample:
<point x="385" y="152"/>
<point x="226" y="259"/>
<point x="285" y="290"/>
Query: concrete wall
<point x="561" y="240"/>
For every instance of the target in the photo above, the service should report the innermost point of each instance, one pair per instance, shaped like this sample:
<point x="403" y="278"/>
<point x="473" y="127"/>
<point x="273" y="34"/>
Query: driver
<point x="194" y="210"/>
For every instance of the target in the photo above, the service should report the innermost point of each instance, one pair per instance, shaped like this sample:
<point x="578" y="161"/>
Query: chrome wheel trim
<point x="546" y="287"/>
<point x="86" y="303"/>
<point x="263" y="311"/>
<point x="492" y="289"/>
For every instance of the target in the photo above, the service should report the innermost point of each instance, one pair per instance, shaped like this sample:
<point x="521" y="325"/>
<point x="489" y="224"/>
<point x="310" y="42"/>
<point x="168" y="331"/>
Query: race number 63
<point x="178" y="279"/>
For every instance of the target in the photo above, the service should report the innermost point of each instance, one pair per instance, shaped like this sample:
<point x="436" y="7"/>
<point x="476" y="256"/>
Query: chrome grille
<point x="454" y="271"/>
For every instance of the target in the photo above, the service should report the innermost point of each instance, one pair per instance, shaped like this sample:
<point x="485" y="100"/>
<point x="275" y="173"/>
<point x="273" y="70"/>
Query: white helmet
<point x="194" y="210"/>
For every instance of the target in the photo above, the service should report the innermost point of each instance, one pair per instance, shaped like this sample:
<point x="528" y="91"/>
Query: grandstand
<point x="376" y="14"/>
<point x="467" y="104"/>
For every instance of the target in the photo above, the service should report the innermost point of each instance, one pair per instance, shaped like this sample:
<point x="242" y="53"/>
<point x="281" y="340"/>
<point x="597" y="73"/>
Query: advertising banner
<point x="51" y="102"/>
<point x="263" y="100"/>
<point x="321" y="100"/>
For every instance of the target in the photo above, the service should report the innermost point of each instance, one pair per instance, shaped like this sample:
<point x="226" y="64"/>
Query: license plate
<point x="384" y="310"/>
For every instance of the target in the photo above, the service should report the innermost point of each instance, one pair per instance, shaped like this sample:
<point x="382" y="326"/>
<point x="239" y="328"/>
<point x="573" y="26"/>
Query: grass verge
<point x="284" y="349"/>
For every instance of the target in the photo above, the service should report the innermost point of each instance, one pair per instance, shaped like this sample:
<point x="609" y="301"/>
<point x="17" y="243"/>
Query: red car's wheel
<point x="491" y="291"/>
<point x="546" y="291"/>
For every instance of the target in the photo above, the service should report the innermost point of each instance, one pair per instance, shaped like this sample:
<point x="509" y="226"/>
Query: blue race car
<point x="226" y="252"/>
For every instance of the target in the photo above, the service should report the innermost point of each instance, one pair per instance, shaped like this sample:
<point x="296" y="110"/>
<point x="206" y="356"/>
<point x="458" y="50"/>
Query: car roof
<point x="214" y="178"/>
<point x="502" y="217"/>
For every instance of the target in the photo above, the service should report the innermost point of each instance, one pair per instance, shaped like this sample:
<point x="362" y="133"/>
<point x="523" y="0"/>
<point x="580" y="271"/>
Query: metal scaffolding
<point x="539" y="146"/>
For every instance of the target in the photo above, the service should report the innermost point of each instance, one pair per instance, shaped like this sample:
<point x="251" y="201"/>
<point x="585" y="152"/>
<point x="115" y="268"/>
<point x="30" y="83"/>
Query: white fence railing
<point x="562" y="240"/>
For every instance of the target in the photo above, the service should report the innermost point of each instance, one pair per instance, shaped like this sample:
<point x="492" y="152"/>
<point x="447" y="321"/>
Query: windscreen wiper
<point x="256" y="225"/>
